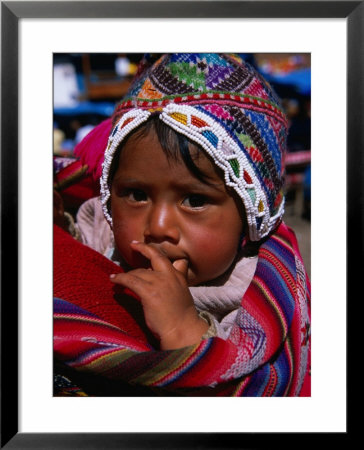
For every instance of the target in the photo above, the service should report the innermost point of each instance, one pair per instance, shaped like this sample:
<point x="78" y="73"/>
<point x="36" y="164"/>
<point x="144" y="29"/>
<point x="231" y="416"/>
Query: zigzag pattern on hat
<point x="221" y="103"/>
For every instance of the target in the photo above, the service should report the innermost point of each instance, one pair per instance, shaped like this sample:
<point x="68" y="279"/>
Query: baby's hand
<point x="167" y="303"/>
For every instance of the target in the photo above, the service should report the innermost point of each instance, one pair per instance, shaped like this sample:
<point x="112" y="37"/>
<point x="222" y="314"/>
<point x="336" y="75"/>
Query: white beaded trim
<point x="136" y="117"/>
<point x="222" y="152"/>
<point x="225" y="152"/>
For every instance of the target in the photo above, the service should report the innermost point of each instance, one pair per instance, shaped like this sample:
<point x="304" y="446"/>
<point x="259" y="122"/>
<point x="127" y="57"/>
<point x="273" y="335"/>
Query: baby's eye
<point x="195" y="201"/>
<point x="135" y="195"/>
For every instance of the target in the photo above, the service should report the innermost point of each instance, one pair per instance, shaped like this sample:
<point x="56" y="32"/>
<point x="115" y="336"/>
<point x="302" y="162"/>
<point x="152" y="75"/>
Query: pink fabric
<point x="92" y="147"/>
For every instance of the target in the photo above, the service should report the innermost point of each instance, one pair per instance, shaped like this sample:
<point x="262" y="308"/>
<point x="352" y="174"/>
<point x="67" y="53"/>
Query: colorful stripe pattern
<point x="266" y="353"/>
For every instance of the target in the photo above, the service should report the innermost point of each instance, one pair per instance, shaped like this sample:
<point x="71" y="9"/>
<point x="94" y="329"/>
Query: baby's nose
<point x="162" y="224"/>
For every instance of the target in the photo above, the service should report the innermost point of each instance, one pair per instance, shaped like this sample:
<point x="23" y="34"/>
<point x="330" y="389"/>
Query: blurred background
<point x="87" y="88"/>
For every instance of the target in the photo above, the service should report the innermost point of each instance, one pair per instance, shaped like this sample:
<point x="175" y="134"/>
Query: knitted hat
<point x="225" y="106"/>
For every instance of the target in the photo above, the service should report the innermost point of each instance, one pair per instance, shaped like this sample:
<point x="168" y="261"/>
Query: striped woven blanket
<point x="101" y="341"/>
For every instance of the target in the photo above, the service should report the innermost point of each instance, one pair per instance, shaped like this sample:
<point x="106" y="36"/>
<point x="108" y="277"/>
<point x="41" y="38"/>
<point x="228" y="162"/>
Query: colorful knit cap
<point x="222" y="104"/>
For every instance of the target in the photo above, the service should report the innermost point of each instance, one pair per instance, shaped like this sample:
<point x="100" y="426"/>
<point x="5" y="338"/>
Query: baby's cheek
<point x="213" y="255"/>
<point x="220" y="254"/>
<point x="123" y="234"/>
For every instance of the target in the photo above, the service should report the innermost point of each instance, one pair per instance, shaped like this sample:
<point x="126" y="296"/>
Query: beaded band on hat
<point x="213" y="138"/>
<point x="238" y="172"/>
<point x="128" y="122"/>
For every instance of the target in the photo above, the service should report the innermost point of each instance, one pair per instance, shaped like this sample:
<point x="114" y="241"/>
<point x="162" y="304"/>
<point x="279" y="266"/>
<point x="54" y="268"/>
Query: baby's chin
<point x="195" y="279"/>
<point x="208" y="279"/>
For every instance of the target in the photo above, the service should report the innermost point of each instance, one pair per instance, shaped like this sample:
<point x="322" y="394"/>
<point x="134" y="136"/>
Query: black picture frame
<point x="11" y="13"/>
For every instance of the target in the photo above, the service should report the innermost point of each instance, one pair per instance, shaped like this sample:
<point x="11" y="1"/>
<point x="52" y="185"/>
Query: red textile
<point x="81" y="276"/>
<point x="73" y="196"/>
<point x="243" y="365"/>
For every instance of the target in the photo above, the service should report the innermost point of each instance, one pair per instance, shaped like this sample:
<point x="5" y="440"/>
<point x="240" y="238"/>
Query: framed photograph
<point x="31" y="33"/>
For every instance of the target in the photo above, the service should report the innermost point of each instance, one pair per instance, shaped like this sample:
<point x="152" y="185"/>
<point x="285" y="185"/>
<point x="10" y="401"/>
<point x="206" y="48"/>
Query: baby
<point x="191" y="187"/>
<point x="174" y="226"/>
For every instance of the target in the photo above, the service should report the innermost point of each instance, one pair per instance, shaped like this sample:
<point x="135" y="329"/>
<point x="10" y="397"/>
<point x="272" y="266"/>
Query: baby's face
<point x="158" y="201"/>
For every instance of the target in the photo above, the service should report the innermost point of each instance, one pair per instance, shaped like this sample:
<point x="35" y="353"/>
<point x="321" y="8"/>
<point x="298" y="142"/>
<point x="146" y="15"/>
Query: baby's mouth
<point x="171" y="253"/>
<point x="141" y="262"/>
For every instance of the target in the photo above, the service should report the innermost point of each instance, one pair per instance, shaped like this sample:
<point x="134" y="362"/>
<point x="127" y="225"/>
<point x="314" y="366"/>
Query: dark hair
<point x="174" y="145"/>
